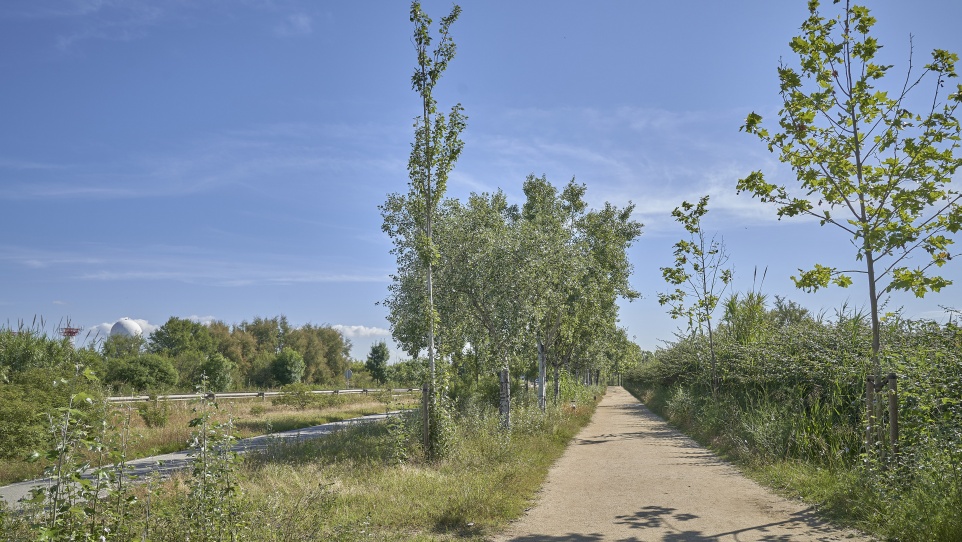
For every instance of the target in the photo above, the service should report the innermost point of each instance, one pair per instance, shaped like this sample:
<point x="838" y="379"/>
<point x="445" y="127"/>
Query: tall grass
<point x="791" y="408"/>
<point x="364" y="482"/>
<point x="250" y="418"/>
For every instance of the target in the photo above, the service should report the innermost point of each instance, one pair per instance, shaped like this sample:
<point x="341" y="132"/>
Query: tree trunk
<point x="557" y="382"/>
<point x="714" y="364"/>
<point x="542" y="375"/>
<point x="505" y="406"/>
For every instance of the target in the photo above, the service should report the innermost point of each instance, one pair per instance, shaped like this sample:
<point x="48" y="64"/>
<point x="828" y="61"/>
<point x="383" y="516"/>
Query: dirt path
<point x="628" y="476"/>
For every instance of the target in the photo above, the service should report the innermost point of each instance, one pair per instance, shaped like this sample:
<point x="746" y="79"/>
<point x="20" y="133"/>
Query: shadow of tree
<point x="664" y="518"/>
<point x="570" y="537"/>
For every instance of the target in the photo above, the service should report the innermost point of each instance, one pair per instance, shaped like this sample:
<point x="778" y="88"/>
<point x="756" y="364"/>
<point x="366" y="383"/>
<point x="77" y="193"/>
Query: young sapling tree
<point x="699" y="272"/>
<point x="863" y="161"/>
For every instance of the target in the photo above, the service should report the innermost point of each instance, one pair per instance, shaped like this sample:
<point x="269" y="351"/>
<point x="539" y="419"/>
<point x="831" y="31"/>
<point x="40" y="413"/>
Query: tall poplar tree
<point x="436" y="148"/>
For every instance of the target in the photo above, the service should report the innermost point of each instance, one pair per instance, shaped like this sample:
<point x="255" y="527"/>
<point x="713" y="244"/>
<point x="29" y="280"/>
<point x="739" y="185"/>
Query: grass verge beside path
<point x="357" y="490"/>
<point x="368" y="482"/>
<point x="834" y="493"/>
<point x="843" y="493"/>
<point x="251" y="417"/>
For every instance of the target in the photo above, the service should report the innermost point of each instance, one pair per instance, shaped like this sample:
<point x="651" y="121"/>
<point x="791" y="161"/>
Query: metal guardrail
<point x="243" y="395"/>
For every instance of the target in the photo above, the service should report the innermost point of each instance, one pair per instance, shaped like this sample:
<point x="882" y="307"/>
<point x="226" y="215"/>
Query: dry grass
<point x="251" y="417"/>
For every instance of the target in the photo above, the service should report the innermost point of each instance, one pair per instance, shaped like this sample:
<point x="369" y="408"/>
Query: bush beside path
<point x="629" y="476"/>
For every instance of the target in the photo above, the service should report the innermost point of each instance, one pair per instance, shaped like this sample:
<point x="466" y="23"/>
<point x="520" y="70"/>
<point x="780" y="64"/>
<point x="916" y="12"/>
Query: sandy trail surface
<point x="628" y="476"/>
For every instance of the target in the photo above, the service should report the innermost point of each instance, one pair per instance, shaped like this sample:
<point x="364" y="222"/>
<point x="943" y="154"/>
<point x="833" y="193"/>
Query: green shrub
<point x="297" y="395"/>
<point x="795" y="393"/>
<point x="154" y="413"/>
<point x="145" y="372"/>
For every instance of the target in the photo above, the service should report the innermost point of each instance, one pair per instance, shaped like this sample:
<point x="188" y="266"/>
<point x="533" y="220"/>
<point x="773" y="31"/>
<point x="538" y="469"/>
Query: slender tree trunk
<point x="505" y="404"/>
<point x="873" y="304"/>
<point x="711" y="336"/>
<point x="428" y="231"/>
<point x="557" y="382"/>
<point x="714" y="363"/>
<point x="542" y="375"/>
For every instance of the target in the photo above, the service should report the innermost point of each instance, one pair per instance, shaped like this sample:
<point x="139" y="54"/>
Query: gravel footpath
<point x="628" y="476"/>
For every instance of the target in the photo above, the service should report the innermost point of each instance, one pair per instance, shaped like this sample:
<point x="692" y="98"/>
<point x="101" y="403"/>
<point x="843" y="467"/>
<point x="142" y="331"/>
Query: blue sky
<point x="224" y="159"/>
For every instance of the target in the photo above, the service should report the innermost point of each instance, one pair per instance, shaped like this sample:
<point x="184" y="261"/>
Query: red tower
<point x="70" y="332"/>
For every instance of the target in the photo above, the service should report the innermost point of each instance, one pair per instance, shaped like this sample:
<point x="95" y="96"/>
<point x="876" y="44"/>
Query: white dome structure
<point x="126" y="327"/>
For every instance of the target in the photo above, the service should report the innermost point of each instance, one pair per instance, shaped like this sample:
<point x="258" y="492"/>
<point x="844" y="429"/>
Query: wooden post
<point x="869" y="413"/>
<point x="426" y="417"/>
<point x="893" y="413"/>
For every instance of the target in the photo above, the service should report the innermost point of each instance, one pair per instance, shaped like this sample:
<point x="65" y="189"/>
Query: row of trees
<point x="517" y="288"/>
<point x="262" y="353"/>
<point x="490" y="285"/>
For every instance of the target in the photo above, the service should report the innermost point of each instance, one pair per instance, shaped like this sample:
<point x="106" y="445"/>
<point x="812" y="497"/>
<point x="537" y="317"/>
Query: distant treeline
<point x="38" y="372"/>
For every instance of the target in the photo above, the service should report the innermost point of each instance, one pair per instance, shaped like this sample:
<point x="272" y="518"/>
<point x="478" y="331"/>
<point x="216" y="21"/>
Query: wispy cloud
<point x="110" y="20"/>
<point x="295" y="25"/>
<point x="21" y="165"/>
<point x="184" y="264"/>
<point x="654" y="158"/>
<point x="270" y="154"/>
<point x="38" y="258"/>
<point x="80" y="21"/>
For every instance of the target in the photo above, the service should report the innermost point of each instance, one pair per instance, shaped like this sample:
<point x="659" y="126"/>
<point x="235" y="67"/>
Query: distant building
<point x="126" y="327"/>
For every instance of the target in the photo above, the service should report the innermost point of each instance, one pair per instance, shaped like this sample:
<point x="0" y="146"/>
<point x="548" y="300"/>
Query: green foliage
<point x="122" y="346"/>
<point x="437" y="144"/>
<point x="82" y="503"/>
<point x="407" y="373"/>
<point x="792" y="392"/>
<point x="509" y="278"/>
<point x="436" y="148"/>
<point x="144" y="372"/>
<point x="210" y="510"/>
<point x="154" y="413"/>
<point x="28" y="348"/>
<point x="377" y="361"/>
<point x="288" y="367"/>
<point x="35" y="368"/>
<point x="218" y="372"/>
<point x="698" y="272"/>
<point x="180" y="335"/>
<point x="299" y="395"/>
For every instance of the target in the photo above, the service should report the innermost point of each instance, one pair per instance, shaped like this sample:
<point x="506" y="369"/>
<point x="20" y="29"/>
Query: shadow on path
<point x="670" y="519"/>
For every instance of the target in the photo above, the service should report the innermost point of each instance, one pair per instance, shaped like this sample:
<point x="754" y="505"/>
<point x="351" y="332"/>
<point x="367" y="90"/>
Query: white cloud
<point x="99" y="331"/>
<point x="361" y="331"/>
<point x="205" y="320"/>
<point x="298" y="24"/>
<point x="146" y="326"/>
